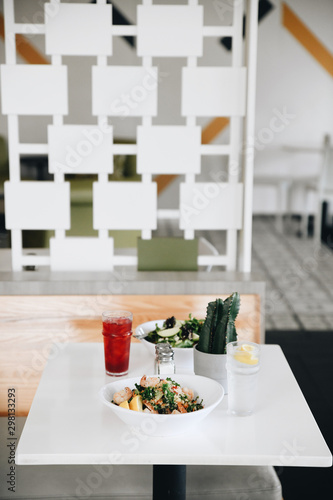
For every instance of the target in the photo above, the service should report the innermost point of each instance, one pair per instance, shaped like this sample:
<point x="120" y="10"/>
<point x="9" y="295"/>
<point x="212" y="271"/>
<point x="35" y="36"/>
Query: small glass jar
<point x="164" y="360"/>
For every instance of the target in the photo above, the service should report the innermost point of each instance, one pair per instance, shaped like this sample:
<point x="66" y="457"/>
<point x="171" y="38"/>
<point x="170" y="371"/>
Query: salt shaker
<point x="164" y="359"/>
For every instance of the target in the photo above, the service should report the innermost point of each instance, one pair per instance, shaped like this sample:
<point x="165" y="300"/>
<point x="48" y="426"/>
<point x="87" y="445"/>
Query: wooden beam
<point x="163" y="181"/>
<point x="28" y="52"/>
<point x="213" y="129"/>
<point x="307" y="39"/>
<point x="23" y="47"/>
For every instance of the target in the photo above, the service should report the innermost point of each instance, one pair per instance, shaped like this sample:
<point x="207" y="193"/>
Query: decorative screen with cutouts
<point x="161" y="31"/>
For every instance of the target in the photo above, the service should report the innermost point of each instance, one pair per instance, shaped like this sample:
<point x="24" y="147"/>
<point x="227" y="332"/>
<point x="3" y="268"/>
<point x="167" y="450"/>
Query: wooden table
<point x="68" y="424"/>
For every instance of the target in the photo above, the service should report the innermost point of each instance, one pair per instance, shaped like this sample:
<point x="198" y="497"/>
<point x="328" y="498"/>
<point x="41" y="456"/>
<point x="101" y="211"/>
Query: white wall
<point x="288" y="76"/>
<point x="290" y="79"/>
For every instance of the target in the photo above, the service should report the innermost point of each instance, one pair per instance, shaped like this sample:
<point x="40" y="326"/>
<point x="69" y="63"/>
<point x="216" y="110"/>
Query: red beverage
<point x="117" y="331"/>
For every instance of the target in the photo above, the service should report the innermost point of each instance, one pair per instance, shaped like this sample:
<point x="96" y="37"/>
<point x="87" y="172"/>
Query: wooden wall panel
<point x="29" y="325"/>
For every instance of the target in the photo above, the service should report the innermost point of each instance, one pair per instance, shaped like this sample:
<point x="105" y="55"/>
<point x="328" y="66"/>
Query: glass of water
<point x="243" y="361"/>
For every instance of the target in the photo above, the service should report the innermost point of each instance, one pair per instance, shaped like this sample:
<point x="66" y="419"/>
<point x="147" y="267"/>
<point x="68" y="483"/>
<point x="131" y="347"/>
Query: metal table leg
<point x="169" y="482"/>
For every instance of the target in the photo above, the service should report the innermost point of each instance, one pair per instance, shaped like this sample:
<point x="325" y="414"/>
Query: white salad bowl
<point x="183" y="355"/>
<point x="209" y="391"/>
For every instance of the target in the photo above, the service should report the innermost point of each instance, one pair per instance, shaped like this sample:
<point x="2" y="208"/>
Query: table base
<point x="169" y="482"/>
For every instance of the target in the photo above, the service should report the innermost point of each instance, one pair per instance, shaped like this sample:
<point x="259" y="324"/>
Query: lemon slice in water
<point x="247" y="347"/>
<point x="245" y="355"/>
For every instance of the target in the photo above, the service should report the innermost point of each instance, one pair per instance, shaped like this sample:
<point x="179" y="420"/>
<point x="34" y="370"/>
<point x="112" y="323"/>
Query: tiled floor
<point x="298" y="274"/>
<point x="299" y="278"/>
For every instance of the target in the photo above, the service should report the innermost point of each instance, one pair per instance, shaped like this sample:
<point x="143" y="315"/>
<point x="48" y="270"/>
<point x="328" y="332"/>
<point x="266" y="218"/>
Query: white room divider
<point x="73" y="29"/>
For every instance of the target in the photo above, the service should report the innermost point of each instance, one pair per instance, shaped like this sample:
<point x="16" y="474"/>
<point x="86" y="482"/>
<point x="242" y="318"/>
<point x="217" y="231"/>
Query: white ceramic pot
<point x="211" y="366"/>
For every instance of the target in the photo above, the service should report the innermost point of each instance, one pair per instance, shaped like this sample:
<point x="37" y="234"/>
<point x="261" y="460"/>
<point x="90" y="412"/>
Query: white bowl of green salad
<point x="182" y="335"/>
<point x="157" y="409"/>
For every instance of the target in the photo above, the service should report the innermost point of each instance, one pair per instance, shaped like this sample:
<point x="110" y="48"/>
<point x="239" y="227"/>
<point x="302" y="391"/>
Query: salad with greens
<point x="159" y="396"/>
<point x="177" y="333"/>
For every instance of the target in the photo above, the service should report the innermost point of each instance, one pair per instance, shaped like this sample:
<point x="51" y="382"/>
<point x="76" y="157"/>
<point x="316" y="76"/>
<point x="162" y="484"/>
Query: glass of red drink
<point x="117" y="331"/>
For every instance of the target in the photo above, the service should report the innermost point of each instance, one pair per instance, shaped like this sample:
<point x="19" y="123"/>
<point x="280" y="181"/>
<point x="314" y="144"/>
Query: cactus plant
<point x="219" y="326"/>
